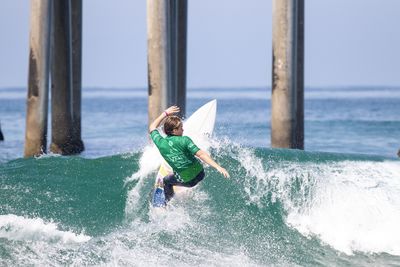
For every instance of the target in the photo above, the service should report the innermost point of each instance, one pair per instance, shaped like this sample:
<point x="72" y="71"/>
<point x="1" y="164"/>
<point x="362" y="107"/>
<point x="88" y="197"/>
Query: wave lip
<point x="19" y="228"/>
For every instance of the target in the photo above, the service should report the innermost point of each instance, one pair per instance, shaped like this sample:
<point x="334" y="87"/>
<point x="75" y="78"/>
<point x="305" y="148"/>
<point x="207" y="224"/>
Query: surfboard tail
<point x="158" y="198"/>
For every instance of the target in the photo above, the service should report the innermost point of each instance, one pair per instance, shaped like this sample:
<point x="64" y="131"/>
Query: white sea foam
<point x="19" y="228"/>
<point x="142" y="248"/>
<point x="48" y="155"/>
<point x="356" y="207"/>
<point x="148" y="163"/>
<point x="149" y="244"/>
<point x="255" y="188"/>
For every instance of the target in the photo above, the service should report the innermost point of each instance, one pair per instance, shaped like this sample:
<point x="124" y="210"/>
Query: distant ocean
<point x="335" y="204"/>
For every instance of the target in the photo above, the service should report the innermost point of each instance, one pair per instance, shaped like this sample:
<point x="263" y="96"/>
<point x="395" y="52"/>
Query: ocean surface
<point x="335" y="204"/>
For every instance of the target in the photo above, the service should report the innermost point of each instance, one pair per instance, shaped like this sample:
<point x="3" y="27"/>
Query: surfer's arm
<point x="169" y="111"/>
<point x="207" y="159"/>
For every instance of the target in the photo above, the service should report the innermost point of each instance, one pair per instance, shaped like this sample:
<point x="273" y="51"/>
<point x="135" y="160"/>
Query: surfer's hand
<point x="172" y="110"/>
<point x="169" y="111"/>
<point x="223" y="172"/>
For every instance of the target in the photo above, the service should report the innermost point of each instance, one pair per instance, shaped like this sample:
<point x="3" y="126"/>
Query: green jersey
<point x="178" y="152"/>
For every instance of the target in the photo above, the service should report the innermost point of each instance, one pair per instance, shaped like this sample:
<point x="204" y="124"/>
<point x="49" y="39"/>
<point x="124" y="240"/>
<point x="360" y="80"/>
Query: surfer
<point x="179" y="152"/>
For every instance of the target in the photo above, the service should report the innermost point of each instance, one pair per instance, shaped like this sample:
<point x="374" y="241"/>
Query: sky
<point x="347" y="43"/>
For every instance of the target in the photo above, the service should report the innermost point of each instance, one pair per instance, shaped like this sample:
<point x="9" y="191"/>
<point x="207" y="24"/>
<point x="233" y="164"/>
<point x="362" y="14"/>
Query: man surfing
<point x="180" y="153"/>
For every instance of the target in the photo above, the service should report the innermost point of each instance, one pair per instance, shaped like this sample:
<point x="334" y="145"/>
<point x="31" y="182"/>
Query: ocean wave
<point x="280" y="206"/>
<point x="19" y="228"/>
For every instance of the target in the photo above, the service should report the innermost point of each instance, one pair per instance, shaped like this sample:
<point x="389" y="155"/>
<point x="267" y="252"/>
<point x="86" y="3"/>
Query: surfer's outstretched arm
<point x="169" y="111"/>
<point x="207" y="159"/>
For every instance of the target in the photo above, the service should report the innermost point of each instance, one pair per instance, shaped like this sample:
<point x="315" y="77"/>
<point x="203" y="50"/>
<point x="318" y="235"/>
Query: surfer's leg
<point x="169" y="182"/>
<point x="196" y="180"/>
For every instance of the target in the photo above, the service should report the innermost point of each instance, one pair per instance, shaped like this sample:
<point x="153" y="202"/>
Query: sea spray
<point x="23" y="229"/>
<point x="356" y="207"/>
<point x="150" y="160"/>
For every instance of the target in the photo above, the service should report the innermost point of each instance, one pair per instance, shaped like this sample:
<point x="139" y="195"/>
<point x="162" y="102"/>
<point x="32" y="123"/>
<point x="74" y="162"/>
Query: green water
<point x="76" y="211"/>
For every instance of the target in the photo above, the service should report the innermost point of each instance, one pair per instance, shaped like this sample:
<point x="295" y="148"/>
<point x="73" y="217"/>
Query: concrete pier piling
<point x="181" y="52"/>
<point x="172" y="53"/>
<point x="61" y="78"/>
<point x="1" y="134"/>
<point x="287" y="107"/>
<point x="56" y="44"/>
<point x="76" y="24"/>
<point x="38" y="85"/>
<point x="157" y="57"/>
<point x="166" y="42"/>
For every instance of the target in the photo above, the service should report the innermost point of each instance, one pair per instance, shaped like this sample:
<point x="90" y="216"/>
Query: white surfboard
<point x="199" y="127"/>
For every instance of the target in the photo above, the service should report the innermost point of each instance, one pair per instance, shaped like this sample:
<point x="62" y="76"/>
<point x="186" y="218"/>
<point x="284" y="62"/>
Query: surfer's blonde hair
<point x="171" y="123"/>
